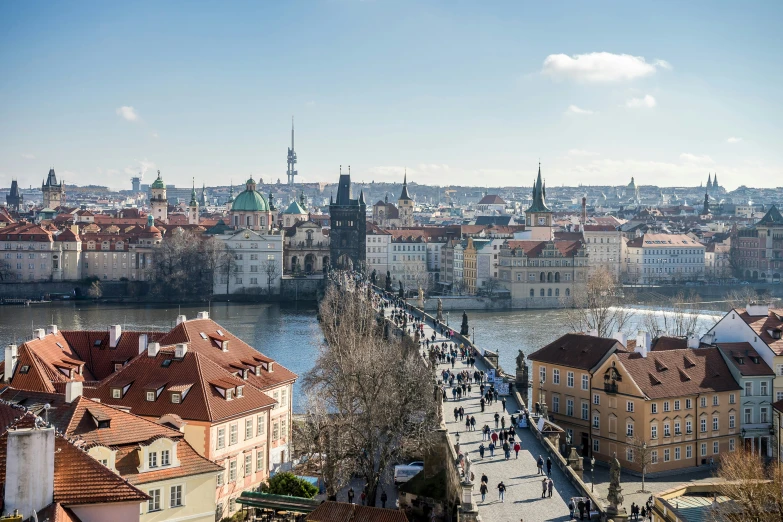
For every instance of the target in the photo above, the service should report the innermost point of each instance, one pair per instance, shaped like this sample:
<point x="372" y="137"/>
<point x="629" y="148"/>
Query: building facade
<point x="257" y="265"/>
<point x="656" y="258"/>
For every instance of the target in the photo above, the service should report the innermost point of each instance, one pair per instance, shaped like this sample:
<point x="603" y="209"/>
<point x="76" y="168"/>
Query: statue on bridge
<point x="421" y="298"/>
<point x="388" y="282"/>
<point x="521" y="361"/>
<point x="440" y="310"/>
<point x="615" y="495"/>
<point x="464" y="330"/>
<point x="373" y="278"/>
<point x="402" y="291"/>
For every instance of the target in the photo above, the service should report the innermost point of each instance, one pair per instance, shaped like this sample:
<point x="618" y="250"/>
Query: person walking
<point x="456" y="412"/>
<point x="506" y="450"/>
<point x="497" y="419"/>
<point x="384" y="498"/>
<point x="503" y="422"/>
<point x="571" y="508"/>
<point x="587" y="508"/>
<point x="548" y="467"/>
<point x="482" y="402"/>
<point x="517" y="447"/>
<point x="481" y="450"/>
<point x="540" y="464"/>
<point x="350" y="495"/>
<point x="484" y="479"/>
<point x="473" y="423"/>
<point x="363" y="497"/>
<point x="494" y="437"/>
<point x="549" y="485"/>
<point x="503" y="402"/>
<point x="502" y="491"/>
<point x="483" y="490"/>
<point x="543" y="488"/>
<point x="581" y="507"/>
<point x="461" y="412"/>
<point x="467" y="423"/>
<point x="492" y="450"/>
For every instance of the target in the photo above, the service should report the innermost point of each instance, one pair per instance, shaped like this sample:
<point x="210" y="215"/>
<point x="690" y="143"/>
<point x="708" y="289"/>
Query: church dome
<point x="158" y="183"/>
<point x="250" y="201"/>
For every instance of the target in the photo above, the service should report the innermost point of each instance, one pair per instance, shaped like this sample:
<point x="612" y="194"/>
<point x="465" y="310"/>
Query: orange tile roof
<point x="56" y="512"/>
<point x="762" y="324"/>
<point x="745" y="359"/>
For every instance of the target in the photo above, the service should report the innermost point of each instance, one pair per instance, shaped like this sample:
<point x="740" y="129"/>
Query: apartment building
<point x="604" y="246"/>
<point x="683" y="404"/>
<point x="378" y="246"/>
<point x="656" y="258"/>
<point x="258" y="262"/>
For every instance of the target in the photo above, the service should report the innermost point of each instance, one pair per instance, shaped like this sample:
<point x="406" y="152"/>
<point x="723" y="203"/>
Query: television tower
<point x="291" y="157"/>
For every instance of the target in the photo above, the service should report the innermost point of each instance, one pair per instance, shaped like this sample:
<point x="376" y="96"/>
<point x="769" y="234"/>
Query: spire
<point x="193" y="202"/>
<point x="715" y="181"/>
<point x="361" y="197"/>
<point x="709" y="181"/>
<point x="404" y="196"/>
<point x="539" y="195"/>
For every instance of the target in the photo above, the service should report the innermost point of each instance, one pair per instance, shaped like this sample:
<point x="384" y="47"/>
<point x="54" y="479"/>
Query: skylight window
<point x="203" y="335"/>
<point x="59" y="344"/>
<point x="220" y="333"/>
<point x="97" y="342"/>
<point x="166" y="363"/>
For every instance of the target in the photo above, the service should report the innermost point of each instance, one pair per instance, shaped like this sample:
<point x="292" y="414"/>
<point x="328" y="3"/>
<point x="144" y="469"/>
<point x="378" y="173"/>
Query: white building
<point x="258" y="262"/>
<point x="658" y="258"/>
<point x="377" y="243"/>
<point x="604" y="246"/>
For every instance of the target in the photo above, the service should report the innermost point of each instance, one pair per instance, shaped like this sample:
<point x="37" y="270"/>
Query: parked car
<point x="405" y="472"/>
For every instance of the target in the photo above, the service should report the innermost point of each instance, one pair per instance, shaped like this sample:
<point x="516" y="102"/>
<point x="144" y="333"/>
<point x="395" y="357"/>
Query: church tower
<point x="53" y="192"/>
<point x="538" y="217"/>
<point x="14" y="199"/>
<point x="405" y="205"/>
<point x="158" y="200"/>
<point x="193" y="206"/>
<point x="347" y="237"/>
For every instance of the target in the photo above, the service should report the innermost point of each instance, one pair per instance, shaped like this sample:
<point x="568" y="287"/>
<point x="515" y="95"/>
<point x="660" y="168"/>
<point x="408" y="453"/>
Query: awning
<point x="278" y="502"/>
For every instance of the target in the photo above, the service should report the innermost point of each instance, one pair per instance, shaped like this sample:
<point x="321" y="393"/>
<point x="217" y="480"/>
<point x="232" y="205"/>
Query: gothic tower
<point x="53" y="192"/>
<point x="158" y="200"/>
<point x="348" y="227"/>
<point x="538" y="217"/>
<point x="193" y="207"/>
<point x="14" y="199"/>
<point x="405" y="205"/>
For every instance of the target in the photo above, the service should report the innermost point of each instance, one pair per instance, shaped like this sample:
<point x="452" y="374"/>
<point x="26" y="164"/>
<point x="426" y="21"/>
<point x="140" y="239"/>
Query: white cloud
<point x="695" y="158"/>
<point x="28" y="156"/>
<point x="600" y="67"/>
<point x="573" y="109"/>
<point x="581" y="152"/>
<point x="127" y="112"/>
<point x="142" y="167"/>
<point x="155" y="135"/>
<point x="733" y="140"/>
<point x="646" y="102"/>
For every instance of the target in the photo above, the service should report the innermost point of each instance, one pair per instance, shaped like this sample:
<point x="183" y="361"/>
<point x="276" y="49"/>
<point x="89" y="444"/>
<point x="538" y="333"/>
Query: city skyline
<point x="454" y="93"/>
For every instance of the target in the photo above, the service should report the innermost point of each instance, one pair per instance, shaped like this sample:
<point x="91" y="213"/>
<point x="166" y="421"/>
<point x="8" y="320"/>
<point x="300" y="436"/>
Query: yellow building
<point x="469" y="267"/>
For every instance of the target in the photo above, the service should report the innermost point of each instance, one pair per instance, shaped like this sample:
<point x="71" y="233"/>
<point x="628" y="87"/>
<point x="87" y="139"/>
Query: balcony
<point x="610" y="387"/>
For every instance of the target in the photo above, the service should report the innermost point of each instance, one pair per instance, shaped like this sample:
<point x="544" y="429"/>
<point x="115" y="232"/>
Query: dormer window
<point x="117" y="367"/>
<point x="153" y="459"/>
<point x="258" y="370"/>
<point x="229" y="394"/>
<point x="116" y="393"/>
<point x="176" y="398"/>
<point x="244" y="375"/>
<point x="151" y="396"/>
<point x="240" y="391"/>
<point x="165" y="458"/>
<point x="24" y="369"/>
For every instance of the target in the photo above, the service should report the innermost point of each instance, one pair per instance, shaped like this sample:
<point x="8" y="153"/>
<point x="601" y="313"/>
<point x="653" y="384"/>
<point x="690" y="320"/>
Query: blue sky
<point x="456" y="92"/>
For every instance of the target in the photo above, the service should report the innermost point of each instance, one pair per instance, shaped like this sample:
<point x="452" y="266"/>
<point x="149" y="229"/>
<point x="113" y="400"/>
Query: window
<point x="165" y="458"/>
<point x="629" y="429"/>
<point x="703" y="424"/>
<point x="596" y="445"/>
<point x="261" y="428"/>
<point x="152" y="459"/>
<point x="667" y="430"/>
<point x="570" y="407"/>
<point x="150" y="396"/>
<point x="629" y="454"/>
<point x="703" y="402"/>
<point x="654" y="457"/>
<point x="248" y="464"/>
<point x="654" y="431"/>
<point x="116" y="393"/>
<point x="585" y="411"/>
<point x="666" y="455"/>
<point x="283" y="397"/>
<point x="703" y="449"/>
<point x="653" y="408"/>
<point x="542" y="374"/>
<point x="275" y="431"/>
<point x="232" y="471"/>
<point x="233" y="434"/>
<point x="715" y="424"/>
<point x="153" y="504"/>
<point x="689" y="452"/>
<point x="687" y="404"/>
<point x="676" y="405"/>
<point x="677" y="454"/>
<point x="596" y="421"/>
<point x="555" y="376"/>
<point x="556" y="404"/>
<point x="779" y="396"/>
<point x="221" y="438"/>
<point x="763" y="415"/>
<point x="714" y="400"/>
<point x="259" y="460"/>
<point x="731" y="444"/>
<point x="176" y="496"/>
<point x="176" y="398"/>
<point x="715" y="448"/>
<point x="629" y="406"/>
<point x="732" y="398"/>
<point x="688" y="427"/>
<point x="763" y="390"/>
<point x="666" y="406"/>
<point x="748" y="416"/>
<point x="585" y="382"/>
<point x="248" y="429"/>
<point x="596" y="399"/>
<point x="732" y="423"/>
<point x="220" y="478"/>
<point x="570" y="382"/>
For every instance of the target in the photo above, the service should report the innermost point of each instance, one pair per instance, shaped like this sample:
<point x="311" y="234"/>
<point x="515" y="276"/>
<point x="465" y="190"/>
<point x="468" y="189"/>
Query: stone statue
<point x="402" y="291"/>
<point x="421" y="298"/>
<point x="440" y="310"/>
<point x="373" y="277"/>
<point x="615" y="495"/>
<point x="388" y="282"/>
<point x="468" y="465"/>
<point x="464" y="330"/>
<point x="520" y="361"/>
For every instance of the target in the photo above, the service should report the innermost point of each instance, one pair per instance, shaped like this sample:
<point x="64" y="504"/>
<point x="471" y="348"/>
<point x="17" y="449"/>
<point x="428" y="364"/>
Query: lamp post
<point x="474" y="336"/>
<point x="447" y="318"/>
<point x="592" y="471"/>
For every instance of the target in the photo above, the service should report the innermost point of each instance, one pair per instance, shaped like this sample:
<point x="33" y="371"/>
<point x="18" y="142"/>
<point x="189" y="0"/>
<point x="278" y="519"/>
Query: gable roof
<point x="491" y="199"/>
<point x="576" y="350"/>
<point x="763" y="324"/>
<point x="745" y="359"/>
<point x="772" y="217"/>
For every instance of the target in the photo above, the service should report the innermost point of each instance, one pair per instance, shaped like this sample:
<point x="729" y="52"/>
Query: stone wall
<point x="300" y="288"/>
<point x="75" y="289"/>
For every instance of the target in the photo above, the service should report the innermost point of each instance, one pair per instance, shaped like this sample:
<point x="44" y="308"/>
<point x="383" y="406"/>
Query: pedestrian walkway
<point x="523" y="483"/>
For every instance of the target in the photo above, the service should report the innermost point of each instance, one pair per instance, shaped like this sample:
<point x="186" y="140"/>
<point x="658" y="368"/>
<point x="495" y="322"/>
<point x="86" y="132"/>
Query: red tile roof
<point x="674" y="373"/>
<point x="745" y="359"/>
<point x="763" y="324"/>
<point x="56" y="512"/>
<point x="576" y="351"/>
<point x="667" y="342"/>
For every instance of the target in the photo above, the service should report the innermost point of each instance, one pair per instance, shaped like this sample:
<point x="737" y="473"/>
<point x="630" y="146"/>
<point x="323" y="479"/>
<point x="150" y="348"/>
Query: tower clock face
<point x="542" y="221"/>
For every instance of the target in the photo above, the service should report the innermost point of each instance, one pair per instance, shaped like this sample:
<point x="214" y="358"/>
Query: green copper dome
<point x="295" y="208"/>
<point x="158" y="183"/>
<point x="250" y="201"/>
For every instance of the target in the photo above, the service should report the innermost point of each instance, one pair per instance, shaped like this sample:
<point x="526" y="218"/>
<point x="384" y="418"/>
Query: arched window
<point x="532" y="293"/>
<point x="249" y="220"/>
<point x="568" y="292"/>
<point x="542" y="293"/>
<point x="557" y="277"/>
<point x="549" y="277"/>
<point x="549" y="292"/>
<point x="236" y="221"/>
<point x="543" y="277"/>
<point x="557" y="292"/>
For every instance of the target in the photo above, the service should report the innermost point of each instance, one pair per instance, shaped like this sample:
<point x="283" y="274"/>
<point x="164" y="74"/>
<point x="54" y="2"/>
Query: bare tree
<point x="362" y="415"/>
<point x="271" y="269"/>
<point x="181" y="267"/>
<point x="736" y="263"/>
<point x="677" y="317"/>
<point x="642" y="454"/>
<point x="491" y="285"/>
<point x="741" y="298"/>
<point x="753" y="487"/>
<point x="96" y="290"/>
<point x="598" y="305"/>
<point x="6" y="273"/>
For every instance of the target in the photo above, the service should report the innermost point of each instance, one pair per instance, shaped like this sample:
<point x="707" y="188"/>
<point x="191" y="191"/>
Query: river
<point x="290" y="333"/>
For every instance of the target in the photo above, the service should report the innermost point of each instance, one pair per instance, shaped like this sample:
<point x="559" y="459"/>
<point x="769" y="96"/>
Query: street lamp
<point x="592" y="470"/>
<point x="447" y="318"/>
<point x="474" y="336"/>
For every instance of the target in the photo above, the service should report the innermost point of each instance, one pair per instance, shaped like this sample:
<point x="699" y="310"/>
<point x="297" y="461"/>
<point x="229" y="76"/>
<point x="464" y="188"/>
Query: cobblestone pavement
<point x="523" y="494"/>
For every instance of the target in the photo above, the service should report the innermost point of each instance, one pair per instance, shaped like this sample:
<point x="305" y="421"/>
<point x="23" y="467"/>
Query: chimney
<point x="73" y="390"/>
<point x="621" y="338"/>
<point x="643" y="343"/>
<point x="180" y="350"/>
<point x="11" y="358"/>
<point x="39" y="333"/>
<point x="584" y="212"/>
<point x="181" y="319"/>
<point x="153" y="349"/>
<point x="693" y="341"/>
<point x="29" y="470"/>
<point x="757" y="309"/>
<point x="115" y="331"/>
<point x="142" y="343"/>
<point x="52" y="329"/>
<point x="203" y="315"/>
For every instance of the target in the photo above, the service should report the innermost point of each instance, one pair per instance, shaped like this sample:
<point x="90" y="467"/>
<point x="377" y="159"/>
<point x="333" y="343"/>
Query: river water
<point x="290" y="333"/>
